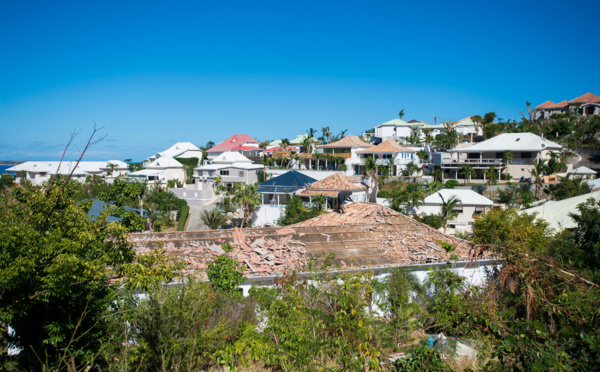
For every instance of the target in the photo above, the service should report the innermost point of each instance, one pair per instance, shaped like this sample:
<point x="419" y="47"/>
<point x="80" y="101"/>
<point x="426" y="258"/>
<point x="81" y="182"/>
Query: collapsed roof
<point x="366" y="236"/>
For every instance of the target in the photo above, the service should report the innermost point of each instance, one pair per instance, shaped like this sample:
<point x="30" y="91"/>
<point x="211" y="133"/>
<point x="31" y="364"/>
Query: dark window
<point x="473" y="155"/>
<point x="526" y="155"/>
<point x="499" y="155"/>
<point x="224" y="173"/>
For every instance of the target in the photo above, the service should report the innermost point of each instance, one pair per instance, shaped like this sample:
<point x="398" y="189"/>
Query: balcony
<point x="472" y="162"/>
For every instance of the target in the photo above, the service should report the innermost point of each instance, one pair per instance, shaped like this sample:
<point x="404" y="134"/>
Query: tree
<point x="467" y="172"/>
<point x="401" y="114"/>
<point x="213" y="218"/>
<point x="477" y="121"/>
<point x="371" y="172"/>
<point x="225" y="274"/>
<point x="320" y="201"/>
<point x="537" y="172"/>
<point x="53" y="272"/>
<point x="311" y="135"/>
<point x="112" y="168"/>
<point x="491" y="175"/>
<point x="448" y="212"/>
<point x="247" y="197"/>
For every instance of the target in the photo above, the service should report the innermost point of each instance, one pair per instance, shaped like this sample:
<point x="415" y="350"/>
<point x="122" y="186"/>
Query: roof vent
<point x="518" y="139"/>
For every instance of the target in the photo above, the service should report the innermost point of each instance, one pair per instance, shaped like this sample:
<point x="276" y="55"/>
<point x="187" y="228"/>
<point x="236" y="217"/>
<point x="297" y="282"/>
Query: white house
<point x="347" y="148"/>
<point x="558" y="213"/>
<point x="231" y="166"/>
<point x="386" y="153"/>
<point x="38" y="172"/>
<point x="161" y="171"/>
<point x="471" y="205"/>
<point x="583" y="172"/>
<point x="585" y="105"/>
<point x="524" y="148"/>
<point x="178" y="150"/>
<point x="396" y="129"/>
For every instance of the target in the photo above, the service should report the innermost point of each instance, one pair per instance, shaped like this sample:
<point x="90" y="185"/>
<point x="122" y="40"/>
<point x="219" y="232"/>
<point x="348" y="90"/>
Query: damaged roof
<point x="366" y="236"/>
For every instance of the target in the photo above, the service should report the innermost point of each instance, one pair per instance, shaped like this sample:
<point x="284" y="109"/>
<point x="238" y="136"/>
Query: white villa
<point x="396" y="129"/>
<point x="231" y="166"/>
<point x="178" y="150"/>
<point x="583" y="172"/>
<point x="161" y="170"/>
<point x="347" y="148"/>
<point x="386" y="153"/>
<point x="38" y="172"/>
<point x="471" y="205"/>
<point x="524" y="148"/>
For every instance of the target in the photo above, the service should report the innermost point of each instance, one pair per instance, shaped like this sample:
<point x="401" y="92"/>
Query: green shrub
<point x="182" y="215"/>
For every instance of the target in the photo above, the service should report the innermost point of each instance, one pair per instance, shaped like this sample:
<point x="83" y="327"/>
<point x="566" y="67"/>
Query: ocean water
<point x="4" y="167"/>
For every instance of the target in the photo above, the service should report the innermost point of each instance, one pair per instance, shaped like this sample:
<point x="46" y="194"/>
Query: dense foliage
<point x="296" y="212"/>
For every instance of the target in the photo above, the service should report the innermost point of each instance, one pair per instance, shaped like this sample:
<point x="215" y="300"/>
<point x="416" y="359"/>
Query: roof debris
<point x="367" y="235"/>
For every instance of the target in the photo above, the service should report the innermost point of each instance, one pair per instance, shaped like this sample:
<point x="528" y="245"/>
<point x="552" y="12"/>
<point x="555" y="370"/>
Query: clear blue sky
<point x="153" y="73"/>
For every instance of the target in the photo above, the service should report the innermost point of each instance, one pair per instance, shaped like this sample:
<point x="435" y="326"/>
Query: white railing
<point x="472" y="161"/>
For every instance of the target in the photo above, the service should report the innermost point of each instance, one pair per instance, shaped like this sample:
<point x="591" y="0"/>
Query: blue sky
<point x="153" y="73"/>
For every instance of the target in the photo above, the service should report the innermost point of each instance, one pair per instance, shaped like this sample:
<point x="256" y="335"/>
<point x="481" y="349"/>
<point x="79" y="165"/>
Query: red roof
<point x="279" y="148"/>
<point x="233" y="142"/>
<point x="586" y="98"/>
<point x="247" y="148"/>
<point x="564" y="103"/>
<point x="547" y="104"/>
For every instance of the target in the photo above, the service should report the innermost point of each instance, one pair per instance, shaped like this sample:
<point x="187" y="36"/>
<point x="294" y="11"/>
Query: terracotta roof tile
<point x="366" y="235"/>
<point x="586" y="98"/>
<point x="348" y="141"/>
<point x="561" y="104"/>
<point x="386" y="146"/>
<point x="547" y="104"/>
<point x="334" y="183"/>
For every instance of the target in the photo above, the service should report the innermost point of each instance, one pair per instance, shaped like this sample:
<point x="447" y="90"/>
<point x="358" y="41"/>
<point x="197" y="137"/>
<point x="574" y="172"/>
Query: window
<point x="387" y="156"/>
<point x="210" y="173"/>
<point x="526" y="155"/>
<point x="224" y="173"/>
<point x="241" y="173"/>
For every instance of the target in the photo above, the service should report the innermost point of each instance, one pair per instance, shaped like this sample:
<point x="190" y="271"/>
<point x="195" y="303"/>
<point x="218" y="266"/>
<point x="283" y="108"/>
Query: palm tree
<point x="326" y="134"/>
<point x="319" y="201"/>
<point x="415" y="197"/>
<point x="401" y="114"/>
<point x="491" y="175"/>
<point x="247" y="197"/>
<point x="397" y="198"/>
<point x="477" y="120"/>
<point x="343" y="133"/>
<point x="467" y="172"/>
<point x="112" y="167"/>
<point x="448" y="212"/>
<point x="265" y="161"/>
<point x="433" y="187"/>
<point x="391" y="166"/>
<point x="537" y="172"/>
<point x="213" y="218"/>
<point x="311" y="134"/>
<point x="371" y="172"/>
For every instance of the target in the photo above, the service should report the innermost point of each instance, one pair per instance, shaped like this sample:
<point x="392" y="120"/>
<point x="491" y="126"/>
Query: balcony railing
<point x="472" y="161"/>
<point x="522" y="161"/>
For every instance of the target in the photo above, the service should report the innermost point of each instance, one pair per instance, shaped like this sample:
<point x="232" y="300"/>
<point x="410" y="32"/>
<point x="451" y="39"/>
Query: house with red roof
<point x="242" y="143"/>
<point x="587" y="104"/>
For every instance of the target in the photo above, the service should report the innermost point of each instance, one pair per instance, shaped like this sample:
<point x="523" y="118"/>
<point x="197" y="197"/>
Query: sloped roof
<point x="466" y="196"/>
<point x="402" y="123"/>
<point x="52" y="167"/>
<point x="366" y="236"/>
<point x="468" y="121"/>
<point x="583" y="170"/>
<point x="335" y="182"/>
<point x="286" y="183"/>
<point x="512" y="142"/>
<point x="164" y="162"/>
<point x="547" y="104"/>
<point x="564" y="103"/>
<point x="181" y="148"/>
<point x="348" y="141"/>
<point x="233" y="141"/>
<point x="556" y="213"/>
<point x="385" y="147"/>
<point x="586" y="98"/>
<point x="231" y="157"/>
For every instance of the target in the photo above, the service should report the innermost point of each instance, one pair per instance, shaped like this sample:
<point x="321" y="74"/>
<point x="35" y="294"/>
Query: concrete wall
<point x="267" y="215"/>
